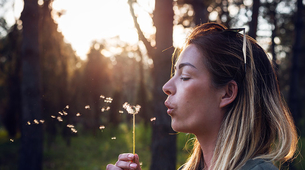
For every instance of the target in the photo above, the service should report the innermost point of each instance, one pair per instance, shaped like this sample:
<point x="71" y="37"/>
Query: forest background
<point x="60" y="110"/>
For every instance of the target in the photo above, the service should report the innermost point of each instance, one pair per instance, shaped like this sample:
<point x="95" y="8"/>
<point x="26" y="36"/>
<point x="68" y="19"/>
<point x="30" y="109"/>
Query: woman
<point x="225" y="92"/>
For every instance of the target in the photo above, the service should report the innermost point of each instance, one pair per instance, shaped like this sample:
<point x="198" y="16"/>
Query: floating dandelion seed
<point x="59" y="119"/>
<point x="108" y="108"/>
<point x="77" y="114"/>
<point x="108" y="100"/>
<point x="73" y="130"/>
<point x="103" y="109"/>
<point x="67" y="107"/>
<point x="113" y="138"/>
<point x="153" y="119"/>
<point x="102" y="96"/>
<point x="87" y="107"/>
<point x="70" y="126"/>
<point x="121" y="111"/>
<point x="36" y="121"/>
<point x="61" y="113"/>
<point x="102" y="127"/>
<point x="52" y="116"/>
<point x="41" y="121"/>
<point x="12" y="140"/>
<point x="29" y="123"/>
<point x="65" y="113"/>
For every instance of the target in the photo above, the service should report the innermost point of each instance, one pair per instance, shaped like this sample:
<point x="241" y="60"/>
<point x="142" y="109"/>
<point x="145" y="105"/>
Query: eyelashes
<point x="181" y="77"/>
<point x="184" y="78"/>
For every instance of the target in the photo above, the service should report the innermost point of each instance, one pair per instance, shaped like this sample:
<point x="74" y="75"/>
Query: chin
<point x="178" y="128"/>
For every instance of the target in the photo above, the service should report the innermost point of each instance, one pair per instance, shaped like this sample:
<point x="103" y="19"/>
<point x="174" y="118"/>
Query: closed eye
<point x="184" y="78"/>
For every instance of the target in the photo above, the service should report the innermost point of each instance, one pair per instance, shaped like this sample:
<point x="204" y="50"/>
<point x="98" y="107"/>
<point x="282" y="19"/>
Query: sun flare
<point x="82" y="22"/>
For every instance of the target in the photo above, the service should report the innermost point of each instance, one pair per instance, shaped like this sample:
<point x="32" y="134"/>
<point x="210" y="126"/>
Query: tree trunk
<point x="273" y="35"/>
<point x="31" y="135"/>
<point x="297" y="52"/>
<point x="254" y="21"/>
<point x="142" y="94"/>
<point x="201" y="12"/>
<point x="163" y="143"/>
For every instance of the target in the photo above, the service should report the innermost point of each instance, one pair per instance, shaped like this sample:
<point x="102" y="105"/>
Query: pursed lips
<point x="169" y="107"/>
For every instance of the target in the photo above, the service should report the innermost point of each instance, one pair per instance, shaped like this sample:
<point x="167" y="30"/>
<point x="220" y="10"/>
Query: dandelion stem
<point x="134" y="134"/>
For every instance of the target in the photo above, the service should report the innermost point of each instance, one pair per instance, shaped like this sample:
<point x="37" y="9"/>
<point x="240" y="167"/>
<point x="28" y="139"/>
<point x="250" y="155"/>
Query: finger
<point x="136" y="160"/>
<point x="126" y="165"/>
<point x="112" y="167"/>
<point x="126" y="157"/>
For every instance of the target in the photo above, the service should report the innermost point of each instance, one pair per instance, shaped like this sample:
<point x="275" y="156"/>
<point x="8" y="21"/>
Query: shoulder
<point x="258" y="164"/>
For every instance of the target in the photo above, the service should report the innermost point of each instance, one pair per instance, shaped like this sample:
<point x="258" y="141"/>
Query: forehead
<point x="191" y="54"/>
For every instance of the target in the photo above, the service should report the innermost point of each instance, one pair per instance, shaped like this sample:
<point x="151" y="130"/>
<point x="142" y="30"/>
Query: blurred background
<point x="68" y="66"/>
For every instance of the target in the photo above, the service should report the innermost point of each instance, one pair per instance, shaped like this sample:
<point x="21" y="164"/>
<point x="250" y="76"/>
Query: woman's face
<point x="193" y="102"/>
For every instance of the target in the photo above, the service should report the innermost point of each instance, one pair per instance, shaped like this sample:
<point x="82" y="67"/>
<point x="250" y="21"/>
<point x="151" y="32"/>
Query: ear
<point x="229" y="95"/>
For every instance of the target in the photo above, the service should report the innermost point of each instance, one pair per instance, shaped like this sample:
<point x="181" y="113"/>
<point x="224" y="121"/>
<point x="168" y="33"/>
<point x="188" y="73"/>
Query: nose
<point x="168" y="88"/>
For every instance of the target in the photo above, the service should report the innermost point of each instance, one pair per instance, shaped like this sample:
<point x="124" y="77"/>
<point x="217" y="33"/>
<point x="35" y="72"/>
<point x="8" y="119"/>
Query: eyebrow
<point x="186" y="64"/>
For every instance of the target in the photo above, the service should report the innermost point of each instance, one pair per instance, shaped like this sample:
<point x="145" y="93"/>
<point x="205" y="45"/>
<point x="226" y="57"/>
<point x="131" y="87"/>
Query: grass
<point x="92" y="152"/>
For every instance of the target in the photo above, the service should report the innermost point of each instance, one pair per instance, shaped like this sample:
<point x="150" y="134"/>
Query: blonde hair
<point x="258" y="123"/>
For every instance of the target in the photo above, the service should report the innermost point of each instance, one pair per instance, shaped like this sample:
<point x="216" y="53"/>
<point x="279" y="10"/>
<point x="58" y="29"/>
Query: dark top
<point x="257" y="164"/>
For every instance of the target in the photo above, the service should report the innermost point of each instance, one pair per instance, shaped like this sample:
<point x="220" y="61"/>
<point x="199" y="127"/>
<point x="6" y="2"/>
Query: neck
<point x="207" y="144"/>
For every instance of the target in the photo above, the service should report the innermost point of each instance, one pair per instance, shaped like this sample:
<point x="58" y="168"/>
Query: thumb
<point x="136" y="160"/>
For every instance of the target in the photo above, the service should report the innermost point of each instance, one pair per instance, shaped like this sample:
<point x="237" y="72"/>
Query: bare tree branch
<point x="149" y="48"/>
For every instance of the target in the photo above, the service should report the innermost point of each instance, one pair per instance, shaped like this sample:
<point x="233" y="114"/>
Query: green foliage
<point x="184" y="147"/>
<point x="90" y="152"/>
<point x="299" y="162"/>
<point x="9" y="154"/>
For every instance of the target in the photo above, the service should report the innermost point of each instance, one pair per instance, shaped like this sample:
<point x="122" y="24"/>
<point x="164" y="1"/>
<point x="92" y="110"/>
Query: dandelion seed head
<point x="136" y="109"/>
<point x="131" y="109"/>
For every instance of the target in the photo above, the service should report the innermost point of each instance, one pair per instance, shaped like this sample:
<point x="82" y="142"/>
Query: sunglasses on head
<point x="237" y="30"/>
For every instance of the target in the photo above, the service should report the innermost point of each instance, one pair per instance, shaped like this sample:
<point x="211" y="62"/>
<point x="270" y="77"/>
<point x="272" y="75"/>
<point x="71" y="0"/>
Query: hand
<point x="126" y="161"/>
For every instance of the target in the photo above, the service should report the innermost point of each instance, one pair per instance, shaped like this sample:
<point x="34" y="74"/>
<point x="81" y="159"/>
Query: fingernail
<point x="131" y="156"/>
<point x="133" y="166"/>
